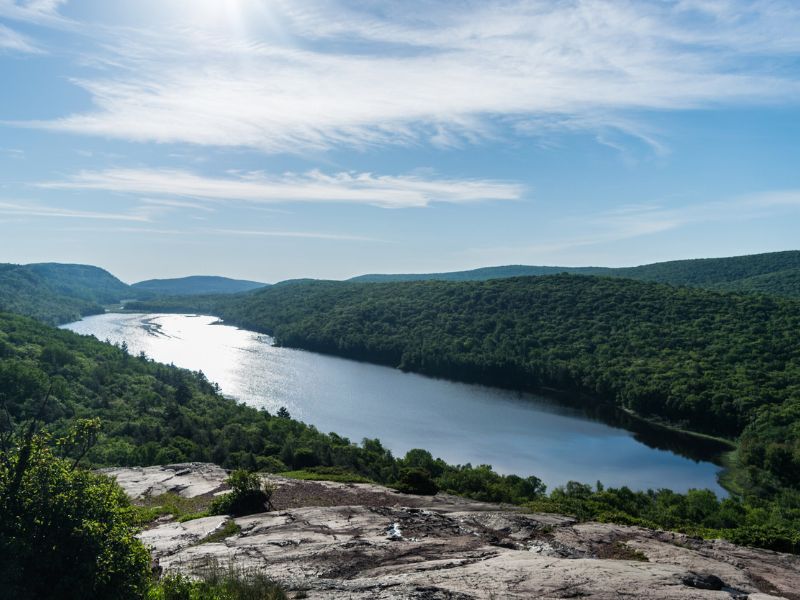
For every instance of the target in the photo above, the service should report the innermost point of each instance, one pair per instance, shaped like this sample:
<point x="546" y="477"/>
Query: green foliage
<point x="776" y="273"/>
<point x="217" y="584"/>
<point x="416" y="481"/>
<point x="337" y="474"/>
<point x="65" y="532"/>
<point x="249" y="495"/>
<point x="768" y="524"/>
<point x="482" y="483"/>
<point x="194" y="285"/>
<point x="770" y="446"/>
<point x="270" y="464"/>
<point x="56" y="293"/>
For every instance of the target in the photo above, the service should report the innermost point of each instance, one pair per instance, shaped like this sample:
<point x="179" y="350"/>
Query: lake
<point x="514" y="432"/>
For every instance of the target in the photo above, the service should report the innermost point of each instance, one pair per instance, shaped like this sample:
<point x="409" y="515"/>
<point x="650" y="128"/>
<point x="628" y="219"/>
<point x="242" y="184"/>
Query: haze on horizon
<point x="263" y="140"/>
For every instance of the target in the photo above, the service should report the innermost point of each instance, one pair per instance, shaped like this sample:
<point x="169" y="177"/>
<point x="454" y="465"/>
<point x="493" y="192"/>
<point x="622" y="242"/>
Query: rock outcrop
<point x="330" y="540"/>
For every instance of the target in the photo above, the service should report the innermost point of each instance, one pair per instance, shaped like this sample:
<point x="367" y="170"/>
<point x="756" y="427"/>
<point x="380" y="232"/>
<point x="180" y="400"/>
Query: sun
<point x="219" y="13"/>
<point x="236" y="18"/>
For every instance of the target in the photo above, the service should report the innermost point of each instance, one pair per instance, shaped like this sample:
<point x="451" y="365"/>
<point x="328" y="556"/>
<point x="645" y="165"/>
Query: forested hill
<point x="775" y="273"/>
<point x="57" y="293"/>
<point x="714" y="362"/>
<point x="731" y="273"/>
<point x="482" y="274"/>
<point x="195" y="284"/>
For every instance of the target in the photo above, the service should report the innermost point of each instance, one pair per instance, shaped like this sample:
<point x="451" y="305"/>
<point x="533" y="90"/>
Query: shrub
<point x="416" y="481"/>
<point x="217" y="584"/>
<point x="65" y="533"/>
<point x="270" y="464"/>
<point x="248" y="495"/>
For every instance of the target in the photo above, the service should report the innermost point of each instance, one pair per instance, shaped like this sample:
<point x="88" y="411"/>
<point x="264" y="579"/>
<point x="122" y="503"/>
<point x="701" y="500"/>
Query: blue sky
<point x="270" y="139"/>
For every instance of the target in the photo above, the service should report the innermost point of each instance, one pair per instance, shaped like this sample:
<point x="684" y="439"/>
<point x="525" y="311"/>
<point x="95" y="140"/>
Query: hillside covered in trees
<point x="195" y="284"/>
<point x="775" y="273"/>
<point x="57" y="293"/>
<point x="722" y="364"/>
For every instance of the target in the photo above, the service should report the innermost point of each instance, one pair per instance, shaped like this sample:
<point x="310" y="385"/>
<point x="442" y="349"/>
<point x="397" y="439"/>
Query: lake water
<point x="517" y="433"/>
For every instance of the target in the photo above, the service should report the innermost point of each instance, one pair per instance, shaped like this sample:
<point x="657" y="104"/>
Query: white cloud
<point x="36" y="210"/>
<point x="313" y="235"/>
<point x="175" y="204"/>
<point x="16" y="42"/>
<point x="34" y="11"/>
<point x="12" y="153"/>
<point x="648" y="218"/>
<point x="402" y="191"/>
<point x="330" y="74"/>
<point x="338" y="237"/>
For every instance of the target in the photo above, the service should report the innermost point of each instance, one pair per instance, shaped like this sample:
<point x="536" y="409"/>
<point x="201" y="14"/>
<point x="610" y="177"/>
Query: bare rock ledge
<point x="359" y="541"/>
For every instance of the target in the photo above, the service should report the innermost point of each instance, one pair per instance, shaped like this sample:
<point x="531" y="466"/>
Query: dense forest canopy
<point x="57" y="293"/>
<point x="723" y="364"/>
<point x="775" y="273"/>
<point x="195" y="284"/>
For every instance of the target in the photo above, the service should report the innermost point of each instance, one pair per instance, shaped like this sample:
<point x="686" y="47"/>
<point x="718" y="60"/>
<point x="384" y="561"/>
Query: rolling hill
<point x="57" y="293"/>
<point x="775" y="273"/>
<point x="194" y="285"/>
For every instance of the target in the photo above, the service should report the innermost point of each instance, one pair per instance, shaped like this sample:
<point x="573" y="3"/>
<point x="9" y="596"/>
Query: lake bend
<point x="514" y="432"/>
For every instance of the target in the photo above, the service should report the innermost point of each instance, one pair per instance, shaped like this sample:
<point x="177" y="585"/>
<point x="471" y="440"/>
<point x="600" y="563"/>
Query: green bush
<point x="270" y="464"/>
<point x="248" y="495"/>
<point x="65" y="533"/>
<point x="416" y="481"/>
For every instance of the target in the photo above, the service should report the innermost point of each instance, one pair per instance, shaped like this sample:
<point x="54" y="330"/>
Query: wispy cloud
<point x="197" y="233"/>
<point x="649" y="218"/>
<point x="643" y="219"/>
<point x="387" y="191"/>
<point x="175" y="204"/>
<point x="43" y="12"/>
<point x="37" y="210"/>
<point x="12" y="153"/>
<point x="340" y="237"/>
<point x="337" y="74"/>
<point x="13" y="41"/>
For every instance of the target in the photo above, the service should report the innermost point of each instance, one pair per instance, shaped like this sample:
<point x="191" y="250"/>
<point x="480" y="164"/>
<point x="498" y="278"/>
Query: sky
<point x="274" y="139"/>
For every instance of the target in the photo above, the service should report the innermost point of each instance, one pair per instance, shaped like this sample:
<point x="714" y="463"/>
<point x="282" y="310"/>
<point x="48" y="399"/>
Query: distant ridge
<point x="57" y="293"/>
<point x="484" y="273"/>
<point x="196" y="285"/>
<point x="775" y="273"/>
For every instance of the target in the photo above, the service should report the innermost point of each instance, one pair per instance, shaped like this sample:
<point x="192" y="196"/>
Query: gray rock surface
<point x="359" y="541"/>
<point x="187" y="479"/>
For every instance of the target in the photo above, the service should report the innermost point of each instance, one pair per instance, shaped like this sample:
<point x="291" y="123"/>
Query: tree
<point x="416" y="481"/>
<point x="65" y="533"/>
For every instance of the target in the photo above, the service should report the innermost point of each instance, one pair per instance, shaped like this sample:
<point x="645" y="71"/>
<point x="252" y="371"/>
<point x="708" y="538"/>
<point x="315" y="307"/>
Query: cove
<point x="514" y="432"/>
